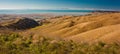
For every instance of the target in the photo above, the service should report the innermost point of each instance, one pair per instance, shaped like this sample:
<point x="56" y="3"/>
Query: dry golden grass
<point x="98" y="34"/>
<point x="8" y="22"/>
<point x="89" y="28"/>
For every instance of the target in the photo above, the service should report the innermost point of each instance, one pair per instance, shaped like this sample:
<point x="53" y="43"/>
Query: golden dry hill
<point x="89" y="28"/>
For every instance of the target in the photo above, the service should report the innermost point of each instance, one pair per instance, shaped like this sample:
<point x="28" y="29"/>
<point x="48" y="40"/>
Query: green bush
<point x="49" y="46"/>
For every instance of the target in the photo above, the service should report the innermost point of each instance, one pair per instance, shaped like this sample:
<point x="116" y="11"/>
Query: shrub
<point x="47" y="46"/>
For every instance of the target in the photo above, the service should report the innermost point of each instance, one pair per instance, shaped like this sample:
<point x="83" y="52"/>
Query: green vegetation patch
<point x="16" y="44"/>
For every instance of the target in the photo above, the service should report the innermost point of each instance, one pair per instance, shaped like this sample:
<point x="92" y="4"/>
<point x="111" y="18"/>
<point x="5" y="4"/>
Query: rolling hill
<point x="88" y="28"/>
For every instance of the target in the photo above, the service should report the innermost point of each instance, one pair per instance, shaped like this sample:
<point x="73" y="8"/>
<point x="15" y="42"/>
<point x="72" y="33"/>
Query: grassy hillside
<point x="16" y="44"/>
<point x="88" y="28"/>
<point x="89" y="34"/>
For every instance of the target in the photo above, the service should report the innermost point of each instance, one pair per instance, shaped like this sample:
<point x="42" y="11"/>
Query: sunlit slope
<point x="80" y="28"/>
<point x="106" y="34"/>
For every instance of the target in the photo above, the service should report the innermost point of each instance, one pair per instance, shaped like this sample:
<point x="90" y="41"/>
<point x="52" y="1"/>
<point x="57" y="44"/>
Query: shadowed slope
<point x="21" y="23"/>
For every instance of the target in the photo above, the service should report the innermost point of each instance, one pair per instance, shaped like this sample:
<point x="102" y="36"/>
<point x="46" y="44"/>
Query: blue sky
<point x="60" y="4"/>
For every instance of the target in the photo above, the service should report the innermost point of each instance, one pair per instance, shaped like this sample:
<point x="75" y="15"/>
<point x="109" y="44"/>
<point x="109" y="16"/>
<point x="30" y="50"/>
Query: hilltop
<point x="19" y="23"/>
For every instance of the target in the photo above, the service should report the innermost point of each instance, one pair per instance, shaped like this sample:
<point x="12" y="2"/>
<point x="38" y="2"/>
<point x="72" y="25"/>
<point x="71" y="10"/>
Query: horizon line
<point x="58" y="9"/>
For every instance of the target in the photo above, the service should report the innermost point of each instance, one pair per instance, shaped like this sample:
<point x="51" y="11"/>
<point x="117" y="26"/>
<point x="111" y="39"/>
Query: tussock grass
<point x="16" y="44"/>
